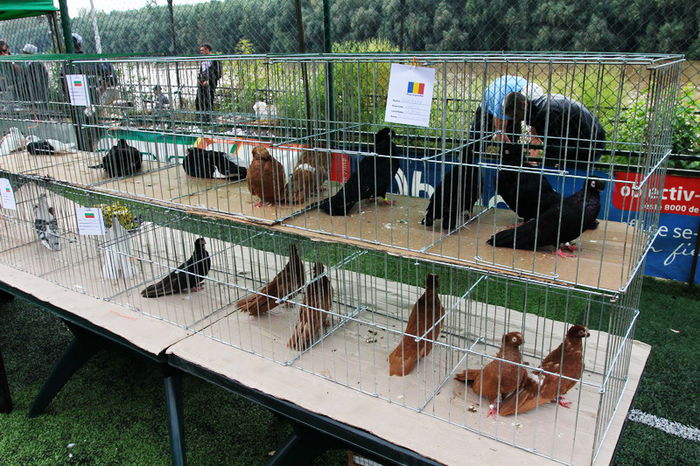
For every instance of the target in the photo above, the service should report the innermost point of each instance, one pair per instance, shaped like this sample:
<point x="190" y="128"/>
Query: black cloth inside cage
<point x="201" y="163"/>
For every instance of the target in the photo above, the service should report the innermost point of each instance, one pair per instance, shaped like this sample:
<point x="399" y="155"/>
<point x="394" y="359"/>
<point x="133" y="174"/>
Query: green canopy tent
<point x="25" y="8"/>
<point x="15" y="9"/>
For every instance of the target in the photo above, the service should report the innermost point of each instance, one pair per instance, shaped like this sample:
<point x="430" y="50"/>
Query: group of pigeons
<point x="506" y="381"/>
<point x="189" y="277"/>
<point x="548" y="218"/>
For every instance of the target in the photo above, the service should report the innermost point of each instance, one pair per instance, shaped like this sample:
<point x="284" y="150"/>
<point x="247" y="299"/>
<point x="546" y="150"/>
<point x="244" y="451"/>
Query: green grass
<point x="112" y="409"/>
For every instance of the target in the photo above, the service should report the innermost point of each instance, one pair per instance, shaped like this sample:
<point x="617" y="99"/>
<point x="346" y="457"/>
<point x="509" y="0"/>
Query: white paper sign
<point x="90" y="221"/>
<point x="410" y="95"/>
<point x="7" y="195"/>
<point x="78" y="89"/>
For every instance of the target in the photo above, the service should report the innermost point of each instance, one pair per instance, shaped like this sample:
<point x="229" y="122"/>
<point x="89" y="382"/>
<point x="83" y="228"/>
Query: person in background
<point x="160" y="101"/>
<point x="35" y="85"/>
<point x="159" y="106"/>
<point x="569" y="131"/>
<point x="10" y="77"/>
<point x="207" y="80"/>
<point x="102" y="81"/>
<point x="491" y="115"/>
<point x="77" y="42"/>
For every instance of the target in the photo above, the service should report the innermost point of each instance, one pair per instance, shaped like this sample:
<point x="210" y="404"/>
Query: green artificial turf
<point x="112" y="410"/>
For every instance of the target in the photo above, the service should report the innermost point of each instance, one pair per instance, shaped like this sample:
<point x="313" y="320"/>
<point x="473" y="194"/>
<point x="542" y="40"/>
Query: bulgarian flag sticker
<point x="90" y="221"/>
<point x="78" y="89"/>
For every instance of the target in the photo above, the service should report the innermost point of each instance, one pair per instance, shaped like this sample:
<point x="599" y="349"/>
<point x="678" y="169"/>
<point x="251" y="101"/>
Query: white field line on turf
<point x="670" y="427"/>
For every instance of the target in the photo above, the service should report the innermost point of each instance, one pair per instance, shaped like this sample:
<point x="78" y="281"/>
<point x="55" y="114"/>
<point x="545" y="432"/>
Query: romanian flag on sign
<point x="89" y="215"/>
<point x="416" y="88"/>
<point x="77" y="83"/>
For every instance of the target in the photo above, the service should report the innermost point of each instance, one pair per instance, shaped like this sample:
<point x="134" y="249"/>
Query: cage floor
<point x="23" y="162"/>
<point x="434" y="438"/>
<point x="353" y="352"/>
<point x="168" y="184"/>
<point x="236" y="198"/>
<point x="397" y="225"/>
<point x="68" y="167"/>
<point x="151" y="335"/>
<point x="604" y="258"/>
<point x="605" y="261"/>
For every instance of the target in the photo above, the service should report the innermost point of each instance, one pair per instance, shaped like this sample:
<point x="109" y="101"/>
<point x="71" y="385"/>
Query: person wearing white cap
<point x="77" y="43"/>
<point x="29" y="49"/>
<point x="35" y="81"/>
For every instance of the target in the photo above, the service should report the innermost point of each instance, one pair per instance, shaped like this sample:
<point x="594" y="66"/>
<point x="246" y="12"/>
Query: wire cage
<point x="349" y="315"/>
<point x="353" y="297"/>
<point x="598" y="117"/>
<point x="346" y="314"/>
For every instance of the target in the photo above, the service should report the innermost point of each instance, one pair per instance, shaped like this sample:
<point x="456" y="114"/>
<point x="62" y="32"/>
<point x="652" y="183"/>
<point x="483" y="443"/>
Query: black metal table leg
<point x="5" y="398"/>
<point x="82" y="348"/>
<point x="5" y="296"/>
<point x="172" y="381"/>
<point x="302" y="447"/>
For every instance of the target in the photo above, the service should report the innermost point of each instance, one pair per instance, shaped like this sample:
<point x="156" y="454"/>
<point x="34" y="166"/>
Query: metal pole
<point x="402" y="7"/>
<point x="173" y="48"/>
<point x="328" y="48"/>
<point x="304" y="74"/>
<point x="65" y="25"/>
<point x="98" y="42"/>
<point x="55" y="43"/>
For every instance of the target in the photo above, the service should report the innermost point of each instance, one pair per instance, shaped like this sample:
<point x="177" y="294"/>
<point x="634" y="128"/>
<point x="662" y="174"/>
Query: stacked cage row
<point x="371" y="256"/>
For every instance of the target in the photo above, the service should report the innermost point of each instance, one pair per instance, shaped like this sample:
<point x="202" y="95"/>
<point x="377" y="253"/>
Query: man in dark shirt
<point x="569" y="131"/>
<point x="207" y="79"/>
<point x="10" y="78"/>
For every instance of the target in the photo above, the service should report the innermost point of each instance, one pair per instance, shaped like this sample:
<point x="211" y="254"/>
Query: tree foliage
<point x="669" y="26"/>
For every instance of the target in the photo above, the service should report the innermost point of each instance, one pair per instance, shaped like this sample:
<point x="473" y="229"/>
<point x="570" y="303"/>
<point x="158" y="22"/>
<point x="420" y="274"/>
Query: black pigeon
<point x="373" y="177"/>
<point x="202" y="163"/>
<point x="577" y="214"/>
<point x="527" y="194"/>
<point x="457" y="192"/>
<point x="188" y="276"/>
<point x="121" y="160"/>
<point x="41" y="148"/>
